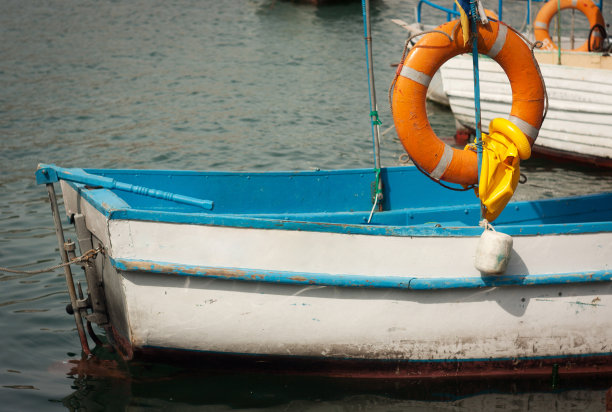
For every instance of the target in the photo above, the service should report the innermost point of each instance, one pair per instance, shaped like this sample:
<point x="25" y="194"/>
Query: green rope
<point x="378" y="191"/>
<point x="377" y="194"/>
<point x="375" y="120"/>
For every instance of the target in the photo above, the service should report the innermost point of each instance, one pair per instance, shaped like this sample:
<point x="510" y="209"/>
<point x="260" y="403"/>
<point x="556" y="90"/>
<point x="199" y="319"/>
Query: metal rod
<point x="67" y="271"/>
<point x="558" y="31"/>
<point x="528" y="23"/>
<point x="572" y="29"/>
<point x="372" y="91"/>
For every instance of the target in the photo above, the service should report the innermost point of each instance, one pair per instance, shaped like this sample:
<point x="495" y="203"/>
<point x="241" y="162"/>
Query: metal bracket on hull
<point x="95" y="286"/>
<point x="94" y="281"/>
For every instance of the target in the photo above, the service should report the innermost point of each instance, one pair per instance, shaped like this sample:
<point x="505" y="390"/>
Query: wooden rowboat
<point x="285" y="267"/>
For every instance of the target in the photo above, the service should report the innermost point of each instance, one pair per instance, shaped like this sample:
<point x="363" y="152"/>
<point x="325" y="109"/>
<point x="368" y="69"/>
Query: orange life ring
<point x="548" y="10"/>
<point x="499" y="42"/>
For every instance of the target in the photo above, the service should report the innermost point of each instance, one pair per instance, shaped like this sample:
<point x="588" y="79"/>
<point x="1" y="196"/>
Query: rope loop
<point x="487" y="226"/>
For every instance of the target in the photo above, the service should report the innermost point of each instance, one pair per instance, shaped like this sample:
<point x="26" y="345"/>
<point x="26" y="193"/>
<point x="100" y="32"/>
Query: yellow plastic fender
<point x="503" y="149"/>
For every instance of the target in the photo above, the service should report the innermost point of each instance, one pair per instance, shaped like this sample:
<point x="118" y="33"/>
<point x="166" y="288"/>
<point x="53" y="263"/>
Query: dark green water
<point x="227" y="84"/>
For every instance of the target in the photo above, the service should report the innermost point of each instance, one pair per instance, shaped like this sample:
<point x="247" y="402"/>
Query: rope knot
<point x="375" y="119"/>
<point x="89" y="255"/>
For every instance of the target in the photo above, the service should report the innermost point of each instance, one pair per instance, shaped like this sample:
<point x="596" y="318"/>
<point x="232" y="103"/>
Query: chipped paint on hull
<point x="360" y="280"/>
<point x="494" y="326"/>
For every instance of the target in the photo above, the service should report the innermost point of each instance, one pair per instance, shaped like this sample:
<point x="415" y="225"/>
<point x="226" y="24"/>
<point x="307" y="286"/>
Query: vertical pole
<point x="572" y="29"/>
<point x="558" y="31"/>
<point x="528" y="22"/>
<point x="477" y="121"/>
<point x="67" y="271"/>
<point x="365" y="4"/>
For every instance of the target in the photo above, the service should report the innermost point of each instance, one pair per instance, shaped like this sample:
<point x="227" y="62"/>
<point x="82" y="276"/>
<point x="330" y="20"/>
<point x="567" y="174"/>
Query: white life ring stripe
<point x="415" y="75"/>
<point x="525" y="127"/>
<point x="445" y="160"/>
<point x="500" y="41"/>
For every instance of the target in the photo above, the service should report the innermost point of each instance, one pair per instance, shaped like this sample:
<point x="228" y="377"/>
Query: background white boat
<point x="578" y="123"/>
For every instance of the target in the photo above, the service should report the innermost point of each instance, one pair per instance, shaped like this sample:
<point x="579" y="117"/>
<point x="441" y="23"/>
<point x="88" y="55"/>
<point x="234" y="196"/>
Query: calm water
<point x="257" y="84"/>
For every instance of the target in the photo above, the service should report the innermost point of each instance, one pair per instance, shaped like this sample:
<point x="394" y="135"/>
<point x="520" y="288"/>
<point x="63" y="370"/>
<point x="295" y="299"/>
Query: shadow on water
<point x="108" y="383"/>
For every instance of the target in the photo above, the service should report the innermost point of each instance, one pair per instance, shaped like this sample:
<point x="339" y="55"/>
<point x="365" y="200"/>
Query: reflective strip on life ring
<point x="547" y="12"/>
<point x="496" y="40"/>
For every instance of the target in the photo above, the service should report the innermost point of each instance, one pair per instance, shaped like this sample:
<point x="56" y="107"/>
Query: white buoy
<point x="493" y="252"/>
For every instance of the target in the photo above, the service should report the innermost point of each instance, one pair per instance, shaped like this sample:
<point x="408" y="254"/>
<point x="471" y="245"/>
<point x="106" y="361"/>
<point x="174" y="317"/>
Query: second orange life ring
<point x="546" y="13"/>
<point x="498" y="41"/>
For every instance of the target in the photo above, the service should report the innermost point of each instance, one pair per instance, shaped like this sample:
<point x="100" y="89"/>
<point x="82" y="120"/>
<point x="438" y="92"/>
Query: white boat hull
<point x="212" y="289"/>
<point x="329" y="322"/>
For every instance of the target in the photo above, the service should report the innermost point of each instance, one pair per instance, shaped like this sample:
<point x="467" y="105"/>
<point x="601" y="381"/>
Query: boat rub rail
<point x="361" y="281"/>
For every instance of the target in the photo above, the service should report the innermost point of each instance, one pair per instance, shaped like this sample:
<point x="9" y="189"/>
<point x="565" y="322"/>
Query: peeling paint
<point x="298" y="278"/>
<point x="584" y="303"/>
<point x="360" y="281"/>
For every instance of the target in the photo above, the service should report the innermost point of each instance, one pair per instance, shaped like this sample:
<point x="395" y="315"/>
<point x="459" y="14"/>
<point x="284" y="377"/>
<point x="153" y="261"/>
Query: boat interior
<point x="335" y="197"/>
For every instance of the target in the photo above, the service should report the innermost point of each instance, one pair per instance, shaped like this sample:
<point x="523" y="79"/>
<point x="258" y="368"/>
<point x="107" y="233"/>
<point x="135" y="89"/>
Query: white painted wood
<point x="261" y="318"/>
<point x="244" y="317"/>
<point x="333" y="253"/>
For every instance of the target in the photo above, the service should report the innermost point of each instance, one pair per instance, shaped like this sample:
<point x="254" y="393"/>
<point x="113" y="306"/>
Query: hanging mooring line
<point x="85" y="257"/>
<point x="374" y="119"/>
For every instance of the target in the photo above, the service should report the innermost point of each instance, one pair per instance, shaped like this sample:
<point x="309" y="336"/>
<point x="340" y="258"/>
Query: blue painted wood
<point x="339" y="202"/>
<point x="293" y="192"/>
<point x="52" y="173"/>
<point x="360" y="281"/>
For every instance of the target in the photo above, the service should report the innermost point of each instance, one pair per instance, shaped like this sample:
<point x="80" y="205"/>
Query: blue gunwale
<point x="358" y="281"/>
<point x="339" y="201"/>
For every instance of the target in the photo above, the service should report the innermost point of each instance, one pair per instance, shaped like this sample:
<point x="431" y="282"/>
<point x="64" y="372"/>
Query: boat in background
<point x="578" y="124"/>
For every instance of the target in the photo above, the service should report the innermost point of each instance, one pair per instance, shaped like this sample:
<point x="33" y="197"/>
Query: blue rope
<point x="474" y="30"/>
